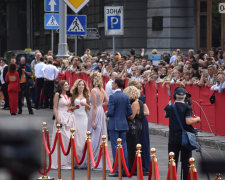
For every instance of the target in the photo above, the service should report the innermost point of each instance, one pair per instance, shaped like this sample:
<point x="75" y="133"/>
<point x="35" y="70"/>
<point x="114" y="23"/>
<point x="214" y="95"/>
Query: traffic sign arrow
<point x="52" y="4"/>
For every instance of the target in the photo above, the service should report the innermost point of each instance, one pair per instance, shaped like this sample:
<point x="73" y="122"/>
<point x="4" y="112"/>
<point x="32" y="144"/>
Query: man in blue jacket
<point x="119" y="109"/>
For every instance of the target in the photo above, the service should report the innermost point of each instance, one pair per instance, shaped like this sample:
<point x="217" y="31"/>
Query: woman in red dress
<point x="12" y="77"/>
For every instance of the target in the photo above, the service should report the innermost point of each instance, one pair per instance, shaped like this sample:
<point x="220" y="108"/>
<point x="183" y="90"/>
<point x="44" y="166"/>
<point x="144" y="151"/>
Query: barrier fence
<point x="104" y="155"/>
<point x="157" y="97"/>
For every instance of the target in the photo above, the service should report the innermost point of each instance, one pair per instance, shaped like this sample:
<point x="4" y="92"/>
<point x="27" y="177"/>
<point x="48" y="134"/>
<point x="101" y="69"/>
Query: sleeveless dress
<point x="134" y="134"/>
<point x="67" y="119"/>
<point x="96" y="134"/>
<point x="81" y="128"/>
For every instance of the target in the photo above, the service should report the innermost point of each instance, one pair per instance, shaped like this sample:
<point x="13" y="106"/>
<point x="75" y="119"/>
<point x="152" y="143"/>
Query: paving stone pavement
<point x="157" y="138"/>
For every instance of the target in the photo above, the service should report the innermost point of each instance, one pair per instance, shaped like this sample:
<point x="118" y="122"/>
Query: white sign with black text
<point x="113" y="20"/>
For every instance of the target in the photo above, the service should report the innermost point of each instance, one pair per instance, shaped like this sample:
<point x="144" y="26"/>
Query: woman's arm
<point x="106" y="99"/>
<point x="146" y="110"/>
<point x="55" y="110"/>
<point x="135" y="108"/>
<point x="94" y="108"/>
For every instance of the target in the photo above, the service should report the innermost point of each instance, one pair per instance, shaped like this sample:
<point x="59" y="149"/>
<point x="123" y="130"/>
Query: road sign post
<point x="114" y="23"/>
<point x="62" y="47"/>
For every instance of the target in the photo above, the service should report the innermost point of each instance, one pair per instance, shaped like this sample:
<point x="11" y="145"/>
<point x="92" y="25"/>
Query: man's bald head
<point x="114" y="75"/>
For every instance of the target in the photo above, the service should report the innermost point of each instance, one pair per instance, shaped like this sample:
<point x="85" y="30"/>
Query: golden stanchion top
<point x="58" y="127"/>
<point x="192" y="161"/>
<point x="218" y="176"/>
<point x="153" y="151"/>
<point x="44" y="124"/>
<point x="171" y="155"/>
<point x="88" y="133"/>
<point x="138" y="147"/>
<point x="72" y="130"/>
<point x="103" y="138"/>
<point x="119" y="141"/>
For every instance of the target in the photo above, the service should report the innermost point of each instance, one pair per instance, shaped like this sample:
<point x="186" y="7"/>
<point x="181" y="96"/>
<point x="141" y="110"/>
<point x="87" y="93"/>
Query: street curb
<point x="205" y="139"/>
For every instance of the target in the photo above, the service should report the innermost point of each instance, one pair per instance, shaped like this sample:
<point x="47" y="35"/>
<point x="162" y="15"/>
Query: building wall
<point x="179" y="29"/>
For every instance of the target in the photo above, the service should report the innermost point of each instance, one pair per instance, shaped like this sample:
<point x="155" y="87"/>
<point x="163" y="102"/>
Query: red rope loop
<point x="150" y="171"/>
<point x="157" y="170"/>
<point x="75" y="152"/>
<point x="46" y="146"/>
<point x="174" y="172"/>
<point x="168" y="174"/>
<point x="95" y="165"/>
<point x="140" y="168"/>
<point x="62" y="147"/>
<point x="49" y="155"/>
<point x="195" y="176"/>
<point x="129" y="174"/>
<point x="112" y="170"/>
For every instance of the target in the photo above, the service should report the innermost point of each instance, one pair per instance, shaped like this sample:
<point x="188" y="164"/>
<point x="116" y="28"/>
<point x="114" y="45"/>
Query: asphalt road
<point x="158" y="142"/>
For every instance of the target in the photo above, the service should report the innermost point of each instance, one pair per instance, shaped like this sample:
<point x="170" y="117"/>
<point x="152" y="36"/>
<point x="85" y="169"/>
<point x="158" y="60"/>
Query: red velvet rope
<point x="195" y="176"/>
<point x="112" y="170"/>
<point x="174" y="172"/>
<point x="140" y="168"/>
<point x="168" y="174"/>
<point x="49" y="155"/>
<point x="129" y="174"/>
<point x="157" y="171"/>
<point x="75" y="152"/>
<point x="95" y="165"/>
<point x="62" y="147"/>
<point x="46" y="146"/>
<point x="150" y="171"/>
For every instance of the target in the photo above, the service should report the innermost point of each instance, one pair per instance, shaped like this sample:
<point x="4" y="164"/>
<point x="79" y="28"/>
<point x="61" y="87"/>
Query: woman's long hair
<point x="60" y="87"/>
<point x="96" y="80"/>
<point x="74" y="91"/>
<point x="12" y="68"/>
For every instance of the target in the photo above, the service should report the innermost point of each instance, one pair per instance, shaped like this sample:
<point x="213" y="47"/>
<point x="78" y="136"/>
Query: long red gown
<point x="13" y="90"/>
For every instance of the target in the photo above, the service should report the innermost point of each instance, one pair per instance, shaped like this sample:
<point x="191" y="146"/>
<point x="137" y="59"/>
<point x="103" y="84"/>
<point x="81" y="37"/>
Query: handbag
<point x="189" y="140"/>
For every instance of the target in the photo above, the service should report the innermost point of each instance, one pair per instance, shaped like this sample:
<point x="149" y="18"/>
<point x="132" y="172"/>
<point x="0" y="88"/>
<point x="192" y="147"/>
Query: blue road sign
<point x="76" y="25"/>
<point x="114" y="22"/>
<point x="51" y="21"/>
<point x="51" y="5"/>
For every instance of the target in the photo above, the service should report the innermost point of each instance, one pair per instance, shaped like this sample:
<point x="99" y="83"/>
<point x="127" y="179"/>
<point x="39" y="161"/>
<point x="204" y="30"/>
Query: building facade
<point x="164" y="25"/>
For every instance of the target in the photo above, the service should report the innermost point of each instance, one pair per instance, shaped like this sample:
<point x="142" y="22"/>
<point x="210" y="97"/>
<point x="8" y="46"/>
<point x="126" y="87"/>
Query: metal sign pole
<point x="114" y="48"/>
<point x="52" y="44"/>
<point x="62" y="47"/>
<point x="75" y="45"/>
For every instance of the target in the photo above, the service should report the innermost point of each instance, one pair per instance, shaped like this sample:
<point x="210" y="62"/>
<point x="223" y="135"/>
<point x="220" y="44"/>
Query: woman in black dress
<point x="145" y="140"/>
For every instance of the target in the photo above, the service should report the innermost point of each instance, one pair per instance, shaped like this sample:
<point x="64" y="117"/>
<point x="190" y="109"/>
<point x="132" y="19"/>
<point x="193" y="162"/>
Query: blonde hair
<point x="132" y="92"/>
<point x="96" y="80"/>
<point x="135" y="83"/>
<point x="74" y="91"/>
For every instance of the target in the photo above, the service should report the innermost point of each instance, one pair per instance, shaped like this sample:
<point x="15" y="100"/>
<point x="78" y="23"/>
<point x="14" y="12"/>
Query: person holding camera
<point x="184" y="111"/>
<point x="25" y="73"/>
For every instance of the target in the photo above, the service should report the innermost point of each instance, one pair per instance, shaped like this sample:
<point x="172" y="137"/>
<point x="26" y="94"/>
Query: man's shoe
<point x="145" y="173"/>
<point x="6" y="108"/>
<point x="13" y="114"/>
<point x="31" y="112"/>
<point x="113" y="175"/>
<point x="20" y="112"/>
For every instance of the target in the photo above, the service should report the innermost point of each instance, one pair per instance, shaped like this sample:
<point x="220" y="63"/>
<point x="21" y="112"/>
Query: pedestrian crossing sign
<point x="76" y="25"/>
<point x="51" y="21"/>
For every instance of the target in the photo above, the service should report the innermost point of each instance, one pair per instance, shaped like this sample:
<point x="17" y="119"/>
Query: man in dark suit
<point x="119" y="109"/>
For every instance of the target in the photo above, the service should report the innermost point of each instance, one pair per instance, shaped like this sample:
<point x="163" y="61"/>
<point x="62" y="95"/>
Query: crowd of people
<point x="82" y="109"/>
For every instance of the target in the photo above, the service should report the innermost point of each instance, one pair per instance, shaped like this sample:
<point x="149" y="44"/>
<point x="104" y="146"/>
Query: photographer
<point x="25" y="74"/>
<point x="175" y="131"/>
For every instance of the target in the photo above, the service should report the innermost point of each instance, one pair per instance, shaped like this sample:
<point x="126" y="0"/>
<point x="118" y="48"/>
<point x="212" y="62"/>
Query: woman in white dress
<point x="80" y="97"/>
<point x="66" y="118"/>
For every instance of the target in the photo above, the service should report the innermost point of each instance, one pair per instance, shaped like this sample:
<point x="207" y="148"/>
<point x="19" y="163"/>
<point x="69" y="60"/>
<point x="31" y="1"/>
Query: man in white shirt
<point x="39" y="75"/>
<point x="108" y="88"/>
<point x="50" y="75"/>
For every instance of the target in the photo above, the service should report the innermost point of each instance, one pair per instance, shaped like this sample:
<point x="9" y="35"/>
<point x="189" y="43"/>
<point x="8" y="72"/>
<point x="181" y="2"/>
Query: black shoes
<point x="31" y="112"/>
<point x="20" y="112"/>
<point x="13" y="114"/>
<point x="116" y="175"/>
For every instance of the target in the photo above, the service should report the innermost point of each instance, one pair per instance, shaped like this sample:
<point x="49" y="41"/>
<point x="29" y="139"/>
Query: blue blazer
<point x="119" y="109"/>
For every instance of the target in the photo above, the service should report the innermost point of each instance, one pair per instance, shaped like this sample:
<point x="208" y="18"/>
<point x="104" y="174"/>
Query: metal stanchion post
<point x="103" y="157"/>
<point x="138" y="147"/>
<point x="153" y="150"/>
<point x="45" y="177"/>
<point x="119" y="141"/>
<point x="59" y="152"/>
<point x="192" y="168"/>
<point x="172" y="163"/>
<point x="88" y="156"/>
<point x="72" y="130"/>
